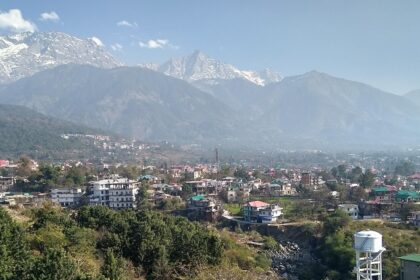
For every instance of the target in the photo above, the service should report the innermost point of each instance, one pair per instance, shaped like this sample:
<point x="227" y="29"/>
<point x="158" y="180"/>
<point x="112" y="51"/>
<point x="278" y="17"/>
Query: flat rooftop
<point x="411" y="257"/>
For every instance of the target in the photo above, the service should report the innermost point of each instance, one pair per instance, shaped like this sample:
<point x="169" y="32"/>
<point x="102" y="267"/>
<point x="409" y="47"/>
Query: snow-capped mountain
<point x="200" y="67"/>
<point x="24" y="54"/>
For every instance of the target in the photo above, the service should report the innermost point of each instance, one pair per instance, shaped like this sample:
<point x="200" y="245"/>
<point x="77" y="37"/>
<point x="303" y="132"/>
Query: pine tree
<point x="112" y="268"/>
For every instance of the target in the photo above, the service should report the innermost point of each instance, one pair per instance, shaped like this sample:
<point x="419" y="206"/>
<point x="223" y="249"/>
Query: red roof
<point x="257" y="204"/>
<point x="376" y="201"/>
<point x="415" y="176"/>
<point x="392" y="188"/>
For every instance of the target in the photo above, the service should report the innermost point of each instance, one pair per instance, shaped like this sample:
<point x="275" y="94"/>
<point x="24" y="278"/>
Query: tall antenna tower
<point x="216" y="151"/>
<point x="368" y="246"/>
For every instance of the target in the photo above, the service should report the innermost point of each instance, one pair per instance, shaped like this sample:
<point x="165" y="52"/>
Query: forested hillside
<point x="23" y="130"/>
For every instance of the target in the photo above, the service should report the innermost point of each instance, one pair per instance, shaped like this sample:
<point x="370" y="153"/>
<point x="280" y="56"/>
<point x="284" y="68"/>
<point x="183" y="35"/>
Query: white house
<point x="261" y="212"/>
<point x="119" y="193"/>
<point x="7" y="183"/>
<point x="270" y="214"/>
<point x="351" y="209"/>
<point x="66" y="197"/>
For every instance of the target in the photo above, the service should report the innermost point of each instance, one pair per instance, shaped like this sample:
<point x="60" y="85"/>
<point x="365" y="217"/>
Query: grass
<point x="233" y="208"/>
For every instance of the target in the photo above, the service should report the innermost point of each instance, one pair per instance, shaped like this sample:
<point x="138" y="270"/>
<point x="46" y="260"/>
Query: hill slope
<point x="131" y="101"/>
<point x="321" y="108"/>
<point x="23" y="130"/>
<point x="413" y="96"/>
<point x="239" y="94"/>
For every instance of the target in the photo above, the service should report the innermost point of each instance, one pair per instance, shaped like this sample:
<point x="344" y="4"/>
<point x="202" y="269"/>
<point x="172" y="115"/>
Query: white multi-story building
<point x="270" y="214"/>
<point x="116" y="193"/>
<point x="261" y="212"/>
<point x="67" y="197"/>
<point x="352" y="210"/>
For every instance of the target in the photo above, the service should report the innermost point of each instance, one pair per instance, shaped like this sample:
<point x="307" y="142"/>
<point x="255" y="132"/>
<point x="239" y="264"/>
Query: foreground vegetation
<point x="100" y="243"/>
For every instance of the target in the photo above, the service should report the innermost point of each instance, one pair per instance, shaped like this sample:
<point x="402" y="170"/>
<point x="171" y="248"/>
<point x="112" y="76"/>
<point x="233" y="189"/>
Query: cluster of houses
<point x="381" y="203"/>
<point x="203" y="204"/>
<point x="106" y="142"/>
<point x="391" y="194"/>
<point x="207" y="195"/>
<point x="25" y="199"/>
<point x="234" y="190"/>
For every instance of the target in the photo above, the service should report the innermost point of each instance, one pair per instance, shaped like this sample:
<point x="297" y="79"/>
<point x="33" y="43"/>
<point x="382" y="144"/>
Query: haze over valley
<point x="201" y="100"/>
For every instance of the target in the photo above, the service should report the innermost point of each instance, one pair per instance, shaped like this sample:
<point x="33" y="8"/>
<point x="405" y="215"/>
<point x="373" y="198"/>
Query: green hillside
<point x="25" y="131"/>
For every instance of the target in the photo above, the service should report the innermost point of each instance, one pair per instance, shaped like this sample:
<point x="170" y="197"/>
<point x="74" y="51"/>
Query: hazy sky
<point x="373" y="41"/>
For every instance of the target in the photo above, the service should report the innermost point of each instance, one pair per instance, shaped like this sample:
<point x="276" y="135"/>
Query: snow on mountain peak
<point x="24" y="54"/>
<point x="198" y="66"/>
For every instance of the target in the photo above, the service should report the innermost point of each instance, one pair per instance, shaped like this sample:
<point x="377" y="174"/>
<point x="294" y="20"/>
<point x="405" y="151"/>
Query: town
<point x="209" y="140"/>
<point x="233" y="195"/>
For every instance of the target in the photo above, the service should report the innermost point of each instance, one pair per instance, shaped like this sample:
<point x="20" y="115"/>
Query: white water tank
<point x="368" y="241"/>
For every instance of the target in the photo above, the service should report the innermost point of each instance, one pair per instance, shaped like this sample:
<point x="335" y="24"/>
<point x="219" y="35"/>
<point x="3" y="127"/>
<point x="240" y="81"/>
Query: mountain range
<point x="414" y="96"/>
<point x="319" y="107"/>
<point x="199" y="67"/>
<point x="197" y="99"/>
<point x="24" y="54"/>
<point x="131" y="101"/>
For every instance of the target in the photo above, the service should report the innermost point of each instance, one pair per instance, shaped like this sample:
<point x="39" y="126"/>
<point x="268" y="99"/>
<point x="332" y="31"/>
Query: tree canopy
<point x="100" y="243"/>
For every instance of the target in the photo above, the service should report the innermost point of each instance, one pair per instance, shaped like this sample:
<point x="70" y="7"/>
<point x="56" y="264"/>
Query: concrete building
<point x="261" y="212"/>
<point x="416" y="218"/>
<point x="6" y="183"/>
<point x="270" y="214"/>
<point x="66" y="197"/>
<point x="202" y="187"/>
<point x="306" y="179"/>
<point x="385" y="193"/>
<point x="24" y="199"/>
<point x="115" y="193"/>
<point x="352" y="210"/>
<point x="200" y="207"/>
<point x="281" y="188"/>
<point x="410" y="267"/>
<point x="236" y="192"/>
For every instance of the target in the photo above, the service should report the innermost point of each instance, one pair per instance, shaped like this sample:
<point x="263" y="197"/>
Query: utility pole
<point x="217" y="163"/>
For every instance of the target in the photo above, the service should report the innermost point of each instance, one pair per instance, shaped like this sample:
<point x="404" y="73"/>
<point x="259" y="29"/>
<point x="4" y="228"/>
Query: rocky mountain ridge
<point x="25" y="54"/>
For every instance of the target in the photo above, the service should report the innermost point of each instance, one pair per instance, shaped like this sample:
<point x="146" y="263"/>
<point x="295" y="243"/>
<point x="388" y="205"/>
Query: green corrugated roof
<point x="411" y="257"/>
<point x="198" y="197"/>
<point x="380" y="189"/>
<point x="404" y="194"/>
<point x="277" y="181"/>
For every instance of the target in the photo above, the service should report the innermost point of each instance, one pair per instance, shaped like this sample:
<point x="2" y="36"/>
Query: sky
<point x="371" y="41"/>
